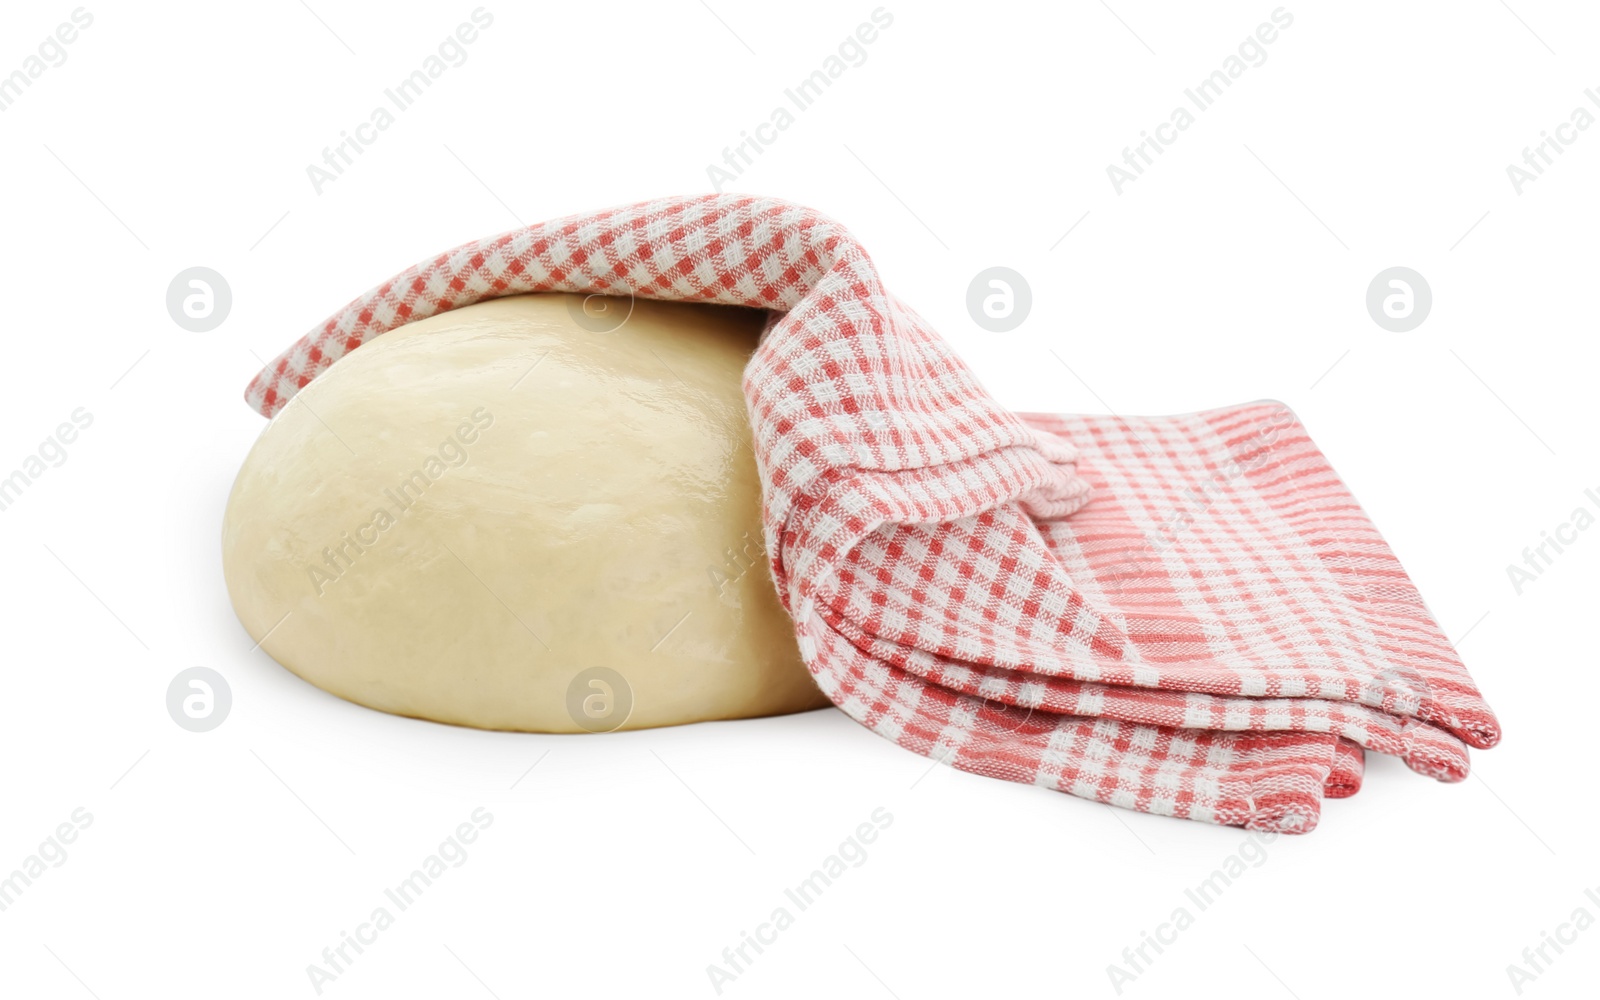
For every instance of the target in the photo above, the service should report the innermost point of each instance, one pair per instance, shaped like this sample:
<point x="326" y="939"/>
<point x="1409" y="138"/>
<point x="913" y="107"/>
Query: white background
<point x="221" y="864"/>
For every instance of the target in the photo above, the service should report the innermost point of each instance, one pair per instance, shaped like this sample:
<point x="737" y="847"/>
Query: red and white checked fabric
<point x="1186" y="615"/>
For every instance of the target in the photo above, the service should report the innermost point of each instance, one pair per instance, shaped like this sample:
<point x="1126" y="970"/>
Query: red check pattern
<point x="1187" y="615"/>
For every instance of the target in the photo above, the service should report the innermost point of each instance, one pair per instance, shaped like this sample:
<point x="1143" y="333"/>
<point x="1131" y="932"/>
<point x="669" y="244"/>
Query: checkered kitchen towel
<point x="1185" y="615"/>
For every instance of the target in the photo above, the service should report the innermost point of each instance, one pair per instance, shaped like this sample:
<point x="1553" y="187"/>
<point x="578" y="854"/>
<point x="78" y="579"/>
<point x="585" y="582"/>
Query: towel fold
<point x="1185" y="615"/>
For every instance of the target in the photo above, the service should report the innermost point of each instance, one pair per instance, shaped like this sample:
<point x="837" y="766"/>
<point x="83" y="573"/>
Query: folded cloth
<point x="1185" y="615"/>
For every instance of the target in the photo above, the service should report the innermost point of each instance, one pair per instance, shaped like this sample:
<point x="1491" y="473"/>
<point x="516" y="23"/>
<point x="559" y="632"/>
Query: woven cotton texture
<point x="1186" y="615"/>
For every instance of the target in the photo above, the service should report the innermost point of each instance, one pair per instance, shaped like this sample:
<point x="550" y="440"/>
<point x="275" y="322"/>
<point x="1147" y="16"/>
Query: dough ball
<point x="522" y="515"/>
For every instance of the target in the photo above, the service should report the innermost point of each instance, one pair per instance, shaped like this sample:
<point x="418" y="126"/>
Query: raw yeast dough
<point x="536" y="513"/>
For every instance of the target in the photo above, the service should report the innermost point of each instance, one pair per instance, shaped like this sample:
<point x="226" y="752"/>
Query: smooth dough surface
<point x="478" y="517"/>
